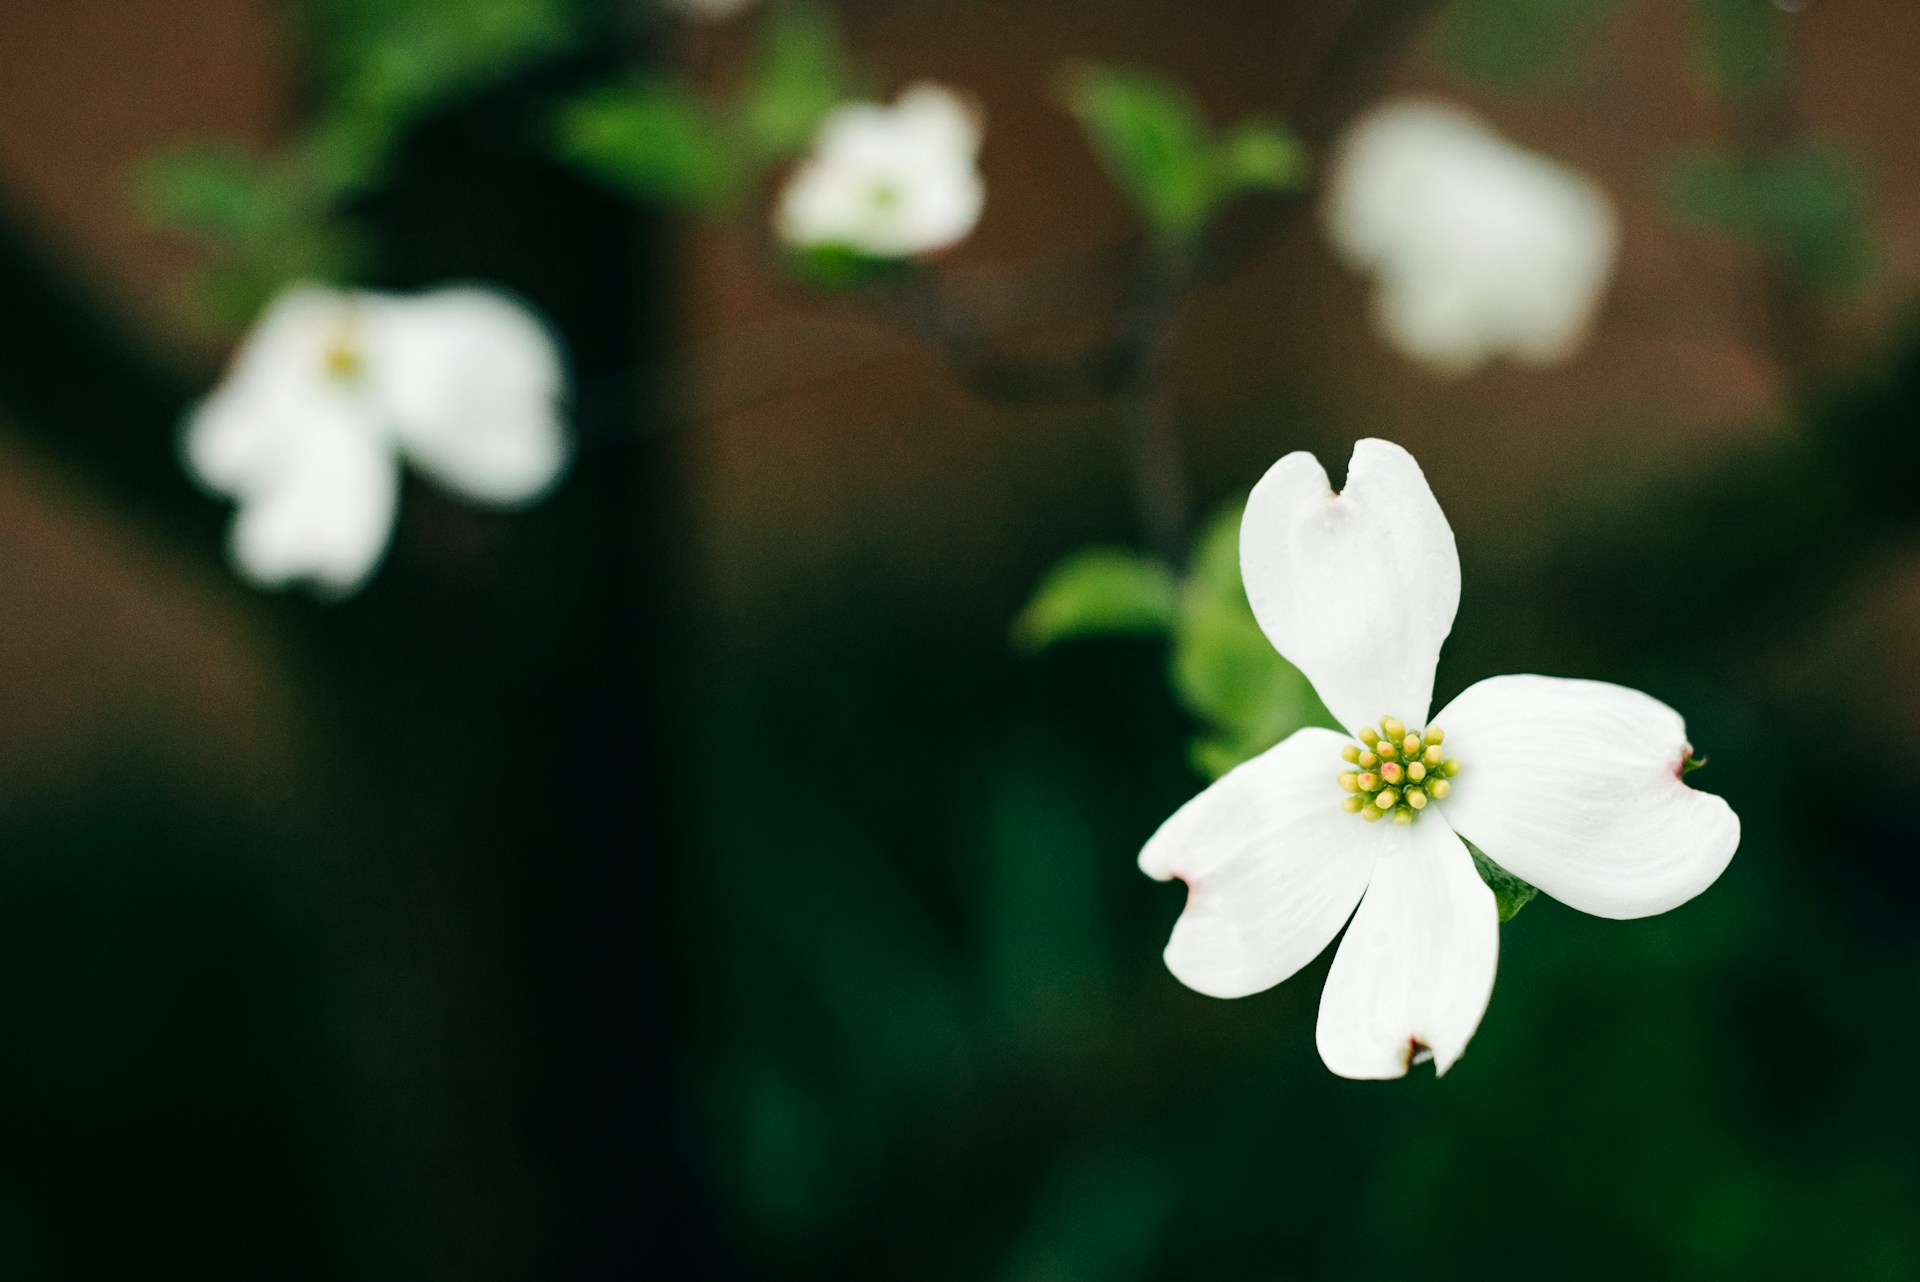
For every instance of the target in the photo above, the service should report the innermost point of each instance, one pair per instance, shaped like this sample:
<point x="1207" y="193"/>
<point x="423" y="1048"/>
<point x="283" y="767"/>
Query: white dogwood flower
<point x="1477" y="247"/>
<point x="888" y="182"/>
<point x="333" y="389"/>
<point x="1574" y="786"/>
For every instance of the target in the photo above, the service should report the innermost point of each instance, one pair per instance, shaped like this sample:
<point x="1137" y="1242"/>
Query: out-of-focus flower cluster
<point x="335" y="389"/>
<point x="1477" y="248"/>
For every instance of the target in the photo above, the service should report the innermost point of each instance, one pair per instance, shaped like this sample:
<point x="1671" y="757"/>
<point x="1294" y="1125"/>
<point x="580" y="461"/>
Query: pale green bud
<point x="1416" y="772"/>
<point x="1439" y="788"/>
<point x="1415" y="798"/>
<point x="1350" y="753"/>
<point x="1349" y="782"/>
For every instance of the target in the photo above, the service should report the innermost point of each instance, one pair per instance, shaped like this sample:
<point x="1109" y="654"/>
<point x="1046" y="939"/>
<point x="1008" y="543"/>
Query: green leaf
<point x="1226" y="673"/>
<point x="265" y="217"/>
<point x="1154" y="141"/>
<point x="392" y="62"/>
<point x="1262" y="155"/>
<point x="349" y="153"/>
<point x="800" y="72"/>
<point x="1521" y="42"/>
<point x="1737" y="45"/>
<point x="661" y="140"/>
<point x="845" y="267"/>
<point x="1224" y="670"/>
<point x="1806" y="205"/>
<point x="655" y="140"/>
<point x="389" y="64"/>
<point x="1509" y="892"/>
<point x="1103" y="591"/>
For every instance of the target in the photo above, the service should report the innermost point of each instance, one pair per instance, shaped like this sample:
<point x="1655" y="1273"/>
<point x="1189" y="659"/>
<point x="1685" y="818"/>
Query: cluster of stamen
<point x="1399" y="772"/>
<point x="343" y="359"/>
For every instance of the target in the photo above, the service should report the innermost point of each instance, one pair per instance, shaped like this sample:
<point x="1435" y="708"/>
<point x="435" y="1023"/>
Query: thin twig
<point x="1161" y="492"/>
<point x="1787" y="324"/>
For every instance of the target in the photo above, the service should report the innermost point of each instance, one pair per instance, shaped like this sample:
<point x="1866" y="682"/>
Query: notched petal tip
<point x="1356" y="588"/>
<point x="1688" y="763"/>
<point x="1613" y="829"/>
<point x="1378" y="451"/>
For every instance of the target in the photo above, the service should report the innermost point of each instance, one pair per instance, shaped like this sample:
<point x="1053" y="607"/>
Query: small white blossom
<point x="888" y="182"/>
<point x="1574" y="786"/>
<point x="333" y="389"/>
<point x="1477" y="247"/>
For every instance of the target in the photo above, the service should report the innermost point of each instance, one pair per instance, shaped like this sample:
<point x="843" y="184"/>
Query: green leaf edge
<point x="1510" y="893"/>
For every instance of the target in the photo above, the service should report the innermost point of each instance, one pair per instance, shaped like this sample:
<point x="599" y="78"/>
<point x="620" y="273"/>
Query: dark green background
<point x="595" y="943"/>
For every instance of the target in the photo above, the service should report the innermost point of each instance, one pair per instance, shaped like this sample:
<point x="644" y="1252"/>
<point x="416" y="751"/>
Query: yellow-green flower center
<point x="343" y="360"/>
<point x="1396" y="771"/>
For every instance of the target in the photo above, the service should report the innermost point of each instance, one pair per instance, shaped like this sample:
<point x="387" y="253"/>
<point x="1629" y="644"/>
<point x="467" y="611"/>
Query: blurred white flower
<point x="1574" y="786"/>
<point x="888" y="182"/>
<point x="1477" y="247"/>
<point x="333" y="389"/>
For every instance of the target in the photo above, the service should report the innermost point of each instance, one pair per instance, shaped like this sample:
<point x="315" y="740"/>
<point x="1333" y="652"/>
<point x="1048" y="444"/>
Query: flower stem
<point x="1156" y="458"/>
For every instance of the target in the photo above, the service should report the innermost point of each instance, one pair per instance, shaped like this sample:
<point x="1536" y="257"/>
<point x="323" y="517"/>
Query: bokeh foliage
<point x="1160" y="150"/>
<point x="271" y="219"/>
<point x="916" y="1025"/>
<point x="660" y="138"/>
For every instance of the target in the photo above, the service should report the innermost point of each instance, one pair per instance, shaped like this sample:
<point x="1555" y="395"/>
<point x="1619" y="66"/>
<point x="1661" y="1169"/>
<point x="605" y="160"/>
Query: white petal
<point x="473" y="383"/>
<point x="1390" y="163"/>
<point x="1575" y="786"/>
<point x="889" y="181"/>
<point x="1272" y="864"/>
<point x="1478" y="246"/>
<point x="287" y="348"/>
<point x="234" y="439"/>
<point x="242" y="435"/>
<point x="1358" y="589"/>
<point x="1432" y="321"/>
<point x="1415" y="969"/>
<point x="326" y="515"/>
<point x="940" y="118"/>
